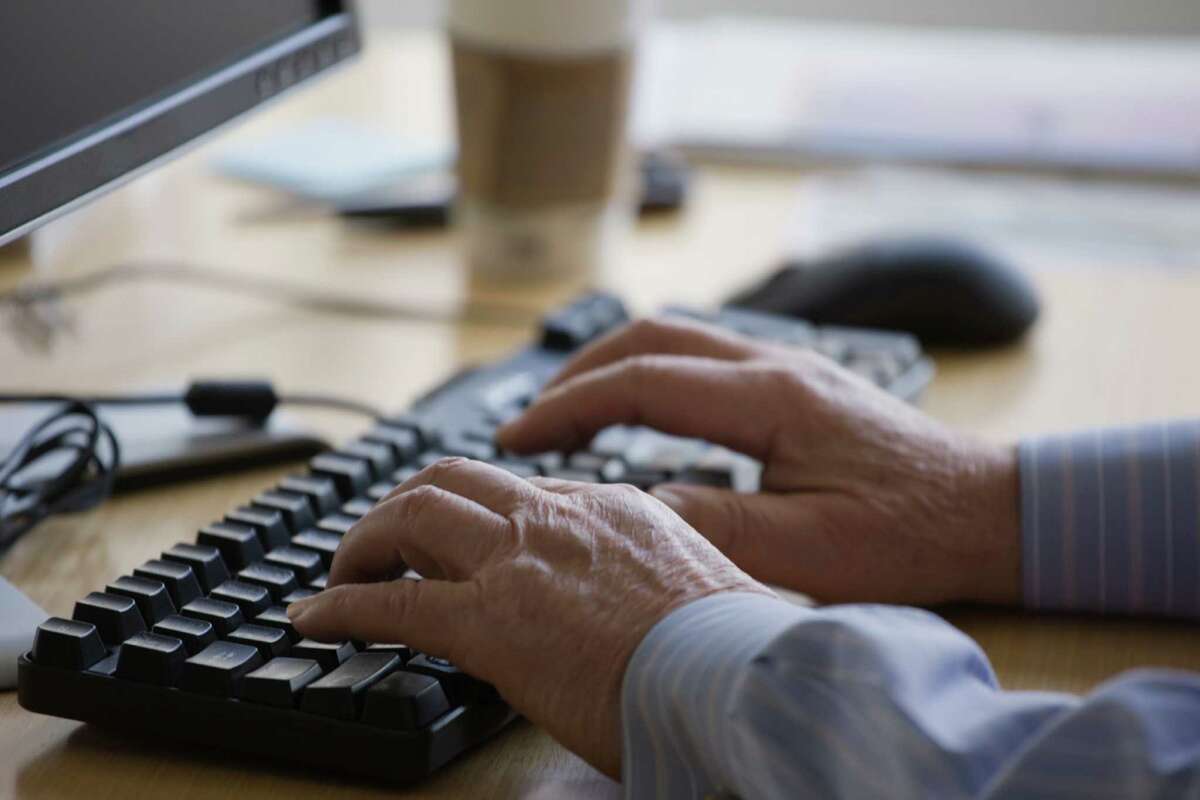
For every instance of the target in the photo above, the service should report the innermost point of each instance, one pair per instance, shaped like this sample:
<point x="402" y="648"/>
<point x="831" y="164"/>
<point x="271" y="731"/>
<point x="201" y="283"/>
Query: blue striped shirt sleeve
<point x="1110" y="520"/>
<point x="750" y="697"/>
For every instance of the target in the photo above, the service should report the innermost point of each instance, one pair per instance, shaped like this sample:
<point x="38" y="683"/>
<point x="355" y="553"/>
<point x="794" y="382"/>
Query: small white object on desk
<point x="19" y="618"/>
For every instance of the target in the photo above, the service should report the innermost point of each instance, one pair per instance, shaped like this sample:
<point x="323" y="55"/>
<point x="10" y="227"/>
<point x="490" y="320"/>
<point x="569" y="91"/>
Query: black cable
<point x="68" y="462"/>
<point x="307" y="400"/>
<point x="32" y="485"/>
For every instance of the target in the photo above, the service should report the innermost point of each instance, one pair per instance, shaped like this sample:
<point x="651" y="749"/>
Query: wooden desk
<point x="1111" y="349"/>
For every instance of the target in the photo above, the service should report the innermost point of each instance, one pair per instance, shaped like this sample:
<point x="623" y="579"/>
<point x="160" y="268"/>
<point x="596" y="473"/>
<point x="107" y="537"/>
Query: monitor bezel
<point x="93" y="165"/>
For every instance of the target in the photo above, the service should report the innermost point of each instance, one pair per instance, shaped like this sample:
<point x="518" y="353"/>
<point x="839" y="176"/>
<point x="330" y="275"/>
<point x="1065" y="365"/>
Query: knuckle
<point x="627" y="493"/>
<point x="652" y="331"/>
<point x="785" y="378"/>
<point x="445" y="466"/>
<point x="637" y="371"/>
<point x="416" y="503"/>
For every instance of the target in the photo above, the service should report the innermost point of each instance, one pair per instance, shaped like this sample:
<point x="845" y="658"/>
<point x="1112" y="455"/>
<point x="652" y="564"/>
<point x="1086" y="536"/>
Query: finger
<point x="491" y="487"/>
<point x="425" y="615"/>
<point x="661" y="336"/>
<point x="774" y="538"/>
<point x="724" y="402"/>
<point x="438" y="533"/>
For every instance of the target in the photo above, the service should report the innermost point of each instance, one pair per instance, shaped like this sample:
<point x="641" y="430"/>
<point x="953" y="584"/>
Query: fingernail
<point x="299" y="608"/>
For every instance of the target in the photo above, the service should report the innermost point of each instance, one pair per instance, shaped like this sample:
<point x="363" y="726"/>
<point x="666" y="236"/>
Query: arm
<point x="1111" y="521"/>
<point x="753" y="697"/>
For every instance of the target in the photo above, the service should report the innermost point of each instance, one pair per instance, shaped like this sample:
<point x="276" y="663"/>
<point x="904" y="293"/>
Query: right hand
<point x="864" y="498"/>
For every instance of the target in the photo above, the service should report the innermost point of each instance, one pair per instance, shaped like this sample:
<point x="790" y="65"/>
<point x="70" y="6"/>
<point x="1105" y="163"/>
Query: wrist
<point x="992" y="491"/>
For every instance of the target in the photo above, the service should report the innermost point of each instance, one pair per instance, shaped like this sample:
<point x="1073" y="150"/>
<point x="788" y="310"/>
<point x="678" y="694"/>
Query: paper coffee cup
<point x="542" y="95"/>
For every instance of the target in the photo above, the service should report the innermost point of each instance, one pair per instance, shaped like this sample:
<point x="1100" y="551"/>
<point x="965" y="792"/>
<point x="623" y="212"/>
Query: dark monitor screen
<point x="70" y="70"/>
<point x="68" y="66"/>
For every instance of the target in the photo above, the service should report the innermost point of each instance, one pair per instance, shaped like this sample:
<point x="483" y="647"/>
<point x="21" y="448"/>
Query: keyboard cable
<point x="68" y="461"/>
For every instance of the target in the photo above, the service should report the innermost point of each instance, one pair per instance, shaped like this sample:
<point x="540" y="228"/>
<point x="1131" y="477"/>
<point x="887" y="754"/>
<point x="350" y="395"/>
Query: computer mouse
<point x="947" y="293"/>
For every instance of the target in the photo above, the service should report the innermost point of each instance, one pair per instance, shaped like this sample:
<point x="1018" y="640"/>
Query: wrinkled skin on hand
<point x="863" y="498"/>
<point x="545" y="588"/>
<point x="542" y="588"/>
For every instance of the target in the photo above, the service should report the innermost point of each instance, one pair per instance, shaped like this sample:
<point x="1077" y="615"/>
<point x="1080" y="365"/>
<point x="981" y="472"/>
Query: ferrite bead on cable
<point x="252" y="399"/>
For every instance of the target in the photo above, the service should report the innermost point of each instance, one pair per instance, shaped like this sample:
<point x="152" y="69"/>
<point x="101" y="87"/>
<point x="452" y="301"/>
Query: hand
<point x="864" y="498"/>
<point x="543" y="588"/>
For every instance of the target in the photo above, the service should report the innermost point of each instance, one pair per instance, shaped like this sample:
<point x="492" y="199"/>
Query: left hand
<point x="542" y="588"/>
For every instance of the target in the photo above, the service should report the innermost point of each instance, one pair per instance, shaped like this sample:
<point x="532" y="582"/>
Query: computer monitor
<point x="92" y="93"/>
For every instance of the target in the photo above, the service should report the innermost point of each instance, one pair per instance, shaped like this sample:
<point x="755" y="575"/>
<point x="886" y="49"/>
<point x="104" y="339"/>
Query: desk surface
<point x="1109" y="350"/>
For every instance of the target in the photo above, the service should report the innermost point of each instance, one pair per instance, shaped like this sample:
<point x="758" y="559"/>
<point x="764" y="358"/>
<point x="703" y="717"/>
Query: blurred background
<point x="1148" y="17"/>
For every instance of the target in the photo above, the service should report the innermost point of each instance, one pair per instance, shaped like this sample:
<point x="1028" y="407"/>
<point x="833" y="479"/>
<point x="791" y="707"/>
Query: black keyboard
<point x="195" y="645"/>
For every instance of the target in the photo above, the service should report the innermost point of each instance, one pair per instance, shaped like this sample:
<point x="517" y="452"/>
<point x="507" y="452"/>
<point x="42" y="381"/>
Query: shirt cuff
<point x="677" y="684"/>
<point x="1110" y="521"/>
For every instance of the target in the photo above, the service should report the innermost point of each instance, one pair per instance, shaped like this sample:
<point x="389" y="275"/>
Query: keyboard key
<point x="358" y="507"/>
<point x="546" y="462"/>
<point x="402" y="651"/>
<point x="351" y="476"/>
<point x="460" y="687"/>
<point x="179" y="579"/>
<point x="205" y="561"/>
<point x="106" y="666"/>
<point x="275" y="579"/>
<point x="378" y="491"/>
<point x="337" y="523"/>
<point x="298" y="595"/>
<point x="278" y="683"/>
<point x="426" y="459"/>
<point x="269" y="525"/>
<point x="219" y="669"/>
<point x="196" y="634"/>
<point x="68" y="644"/>
<point x="614" y="471"/>
<point x="405" y="473"/>
<point x="320" y="582"/>
<point x="404" y="701"/>
<point x="116" y="618"/>
<point x="339" y="693"/>
<point x="297" y="513"/>
<point x="404" y="442"/>
<point x="305" y="564"/>
<point x="239" y="544"/>
<point x="248" y="597"/>
<point x="645" y="479"/>
<point x="614" y="441"/>
<point x="270" y="642"/>
<point x="582" y="321"/>
<point x="378" y="457"/>
<point x="150" y="596"/>
<point x="223" y="616"/>
<point x="464" y="447"/>
<point x="151" y="658"/>
<point x="705" y="476"/>
<point x="276" y="617"/>
<point x="427" y="438"/>
<point x="323" y="543"/>
<point x="589" y="462"/>
<point x="320" y="492"/>
<point x="330" y="655"/>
